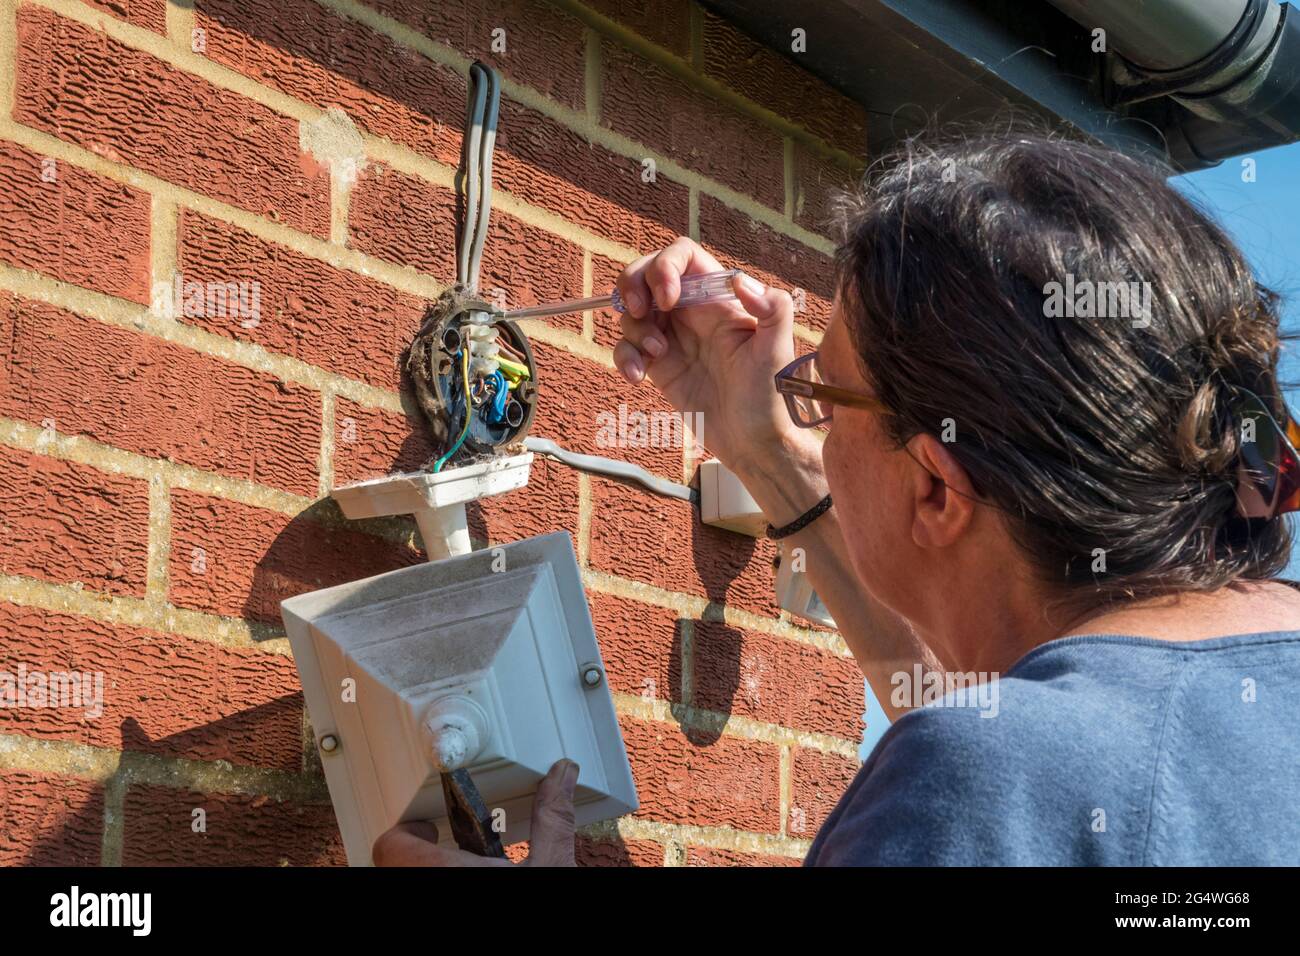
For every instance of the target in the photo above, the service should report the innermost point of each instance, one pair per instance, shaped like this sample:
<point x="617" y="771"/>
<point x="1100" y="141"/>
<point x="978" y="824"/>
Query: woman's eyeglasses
<point x="1268" y="469"/>
<point x="809" y="400"/>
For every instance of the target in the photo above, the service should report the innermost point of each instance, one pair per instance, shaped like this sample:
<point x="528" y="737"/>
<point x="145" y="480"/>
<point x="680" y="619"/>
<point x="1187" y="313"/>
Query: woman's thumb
<point x="551" y="838"/>
<point x="772" y="307"/>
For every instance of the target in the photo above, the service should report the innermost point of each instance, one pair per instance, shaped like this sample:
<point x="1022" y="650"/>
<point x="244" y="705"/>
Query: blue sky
<point x="1263" y="217"/>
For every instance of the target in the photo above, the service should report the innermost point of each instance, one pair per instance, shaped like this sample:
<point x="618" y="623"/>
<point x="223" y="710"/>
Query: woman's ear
<point x="943" y="497"/>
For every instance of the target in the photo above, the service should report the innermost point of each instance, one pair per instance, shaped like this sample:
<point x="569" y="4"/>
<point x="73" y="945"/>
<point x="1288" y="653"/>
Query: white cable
<point x="474" y="180"/>
<point x="468" y="178"/>
<point x="609" y="466"/>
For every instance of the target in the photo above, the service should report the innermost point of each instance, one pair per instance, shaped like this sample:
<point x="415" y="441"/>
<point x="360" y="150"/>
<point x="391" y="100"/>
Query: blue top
<point x="1101" y="750"/>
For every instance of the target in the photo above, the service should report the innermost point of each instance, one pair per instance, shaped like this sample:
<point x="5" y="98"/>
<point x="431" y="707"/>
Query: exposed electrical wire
<point x="498" y="403"/>
<point x="469" y="411"/>
<point x="512" y="369"/>
<point x="500" y="396"/>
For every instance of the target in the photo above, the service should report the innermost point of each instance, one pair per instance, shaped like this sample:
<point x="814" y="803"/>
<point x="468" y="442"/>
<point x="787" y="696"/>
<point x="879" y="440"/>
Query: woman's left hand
<point x="550" y="840"/>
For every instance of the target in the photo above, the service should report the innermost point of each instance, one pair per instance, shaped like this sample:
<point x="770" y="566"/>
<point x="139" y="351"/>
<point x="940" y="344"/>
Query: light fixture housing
<point x="486" y="660"/>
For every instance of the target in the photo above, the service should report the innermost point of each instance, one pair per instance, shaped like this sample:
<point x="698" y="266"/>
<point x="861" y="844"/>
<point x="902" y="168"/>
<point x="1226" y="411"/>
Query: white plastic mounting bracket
<point x="437" y="500"/>
<point x="725" y="502"/>
<point x="794" y="592"/>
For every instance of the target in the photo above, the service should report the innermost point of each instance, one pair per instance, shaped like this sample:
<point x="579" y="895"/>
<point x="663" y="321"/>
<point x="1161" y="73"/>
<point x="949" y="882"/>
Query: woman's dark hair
<point x="963" y="274"/>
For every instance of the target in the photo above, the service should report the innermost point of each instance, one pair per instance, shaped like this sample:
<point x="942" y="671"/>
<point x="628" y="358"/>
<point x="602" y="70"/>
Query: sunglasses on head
<point x="1268" y="466"/>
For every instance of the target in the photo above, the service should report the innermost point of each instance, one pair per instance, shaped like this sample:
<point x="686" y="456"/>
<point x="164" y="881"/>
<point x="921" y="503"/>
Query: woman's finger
<point x="646" y="334"/>
<point x="771" y="307"/>
<point x="632" y="288"/>
<point x="663" y="274"/>
<point x="629" y="361"/>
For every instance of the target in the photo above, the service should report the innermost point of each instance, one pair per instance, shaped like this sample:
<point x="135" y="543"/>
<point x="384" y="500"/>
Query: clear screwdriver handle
<point x="696" y="290"/>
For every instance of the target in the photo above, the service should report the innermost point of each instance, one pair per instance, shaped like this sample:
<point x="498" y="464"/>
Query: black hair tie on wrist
<point x="801" y="522"/>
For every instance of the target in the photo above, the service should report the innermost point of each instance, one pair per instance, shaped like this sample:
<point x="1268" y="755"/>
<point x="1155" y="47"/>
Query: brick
<point x="162" y="400"/>
<point x="338" y="320"/>
<point x="602" y="851"/>
<point x="412" y="222"/>
<point x="606" y="329"/>
<point x="391" y="91"/>
<point x="163" y="694"/>
<point x="79" y="228"/>
<point x="776" y="680"/>
<point x="780" y="84"/>
<point x="150" y="14"/>
<point x="372" y="442"/>
<point x="818" y="782"/>
<point x="711" y="856"/>
<point x="740" y="242"/>
<point x="666" y="23"/>
<point x="663" y="543"/>
<point x="641" y="646"/>
<point x="532" y="266"/>
<point x="49" y="819"/>
<point x="545" y="48"/>
<point x="329" y="60"/>
<point x="618" y="852"/>
<point x="722" y="781"/>
<point x="556" y="168"/>
<point x="233" y="559"/>
<point x="241" y="830"/>
<point x="124" y="104"/>
<point x="817" y="183"/>
<point x="66" y="522"/>
<point x="579" y="407"/>
<point x="646" y="103"/>
<point x="549" y="503"/>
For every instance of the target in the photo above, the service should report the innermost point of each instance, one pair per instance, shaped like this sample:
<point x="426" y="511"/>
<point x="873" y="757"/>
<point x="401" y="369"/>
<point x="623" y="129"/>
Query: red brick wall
<point x="162" y="472"/>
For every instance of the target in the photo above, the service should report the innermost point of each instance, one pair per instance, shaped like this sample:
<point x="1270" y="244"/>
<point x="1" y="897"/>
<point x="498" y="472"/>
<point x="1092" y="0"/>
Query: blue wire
<point x="437" y="466"/>
<point x="499" y="398"/>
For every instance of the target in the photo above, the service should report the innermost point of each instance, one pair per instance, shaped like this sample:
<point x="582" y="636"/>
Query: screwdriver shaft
<point x="696" y="289"/>
<point x="560" y="308"/>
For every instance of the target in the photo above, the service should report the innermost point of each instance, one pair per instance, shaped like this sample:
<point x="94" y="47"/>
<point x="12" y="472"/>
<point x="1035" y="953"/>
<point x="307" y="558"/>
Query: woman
<point x="1073" y="497"/>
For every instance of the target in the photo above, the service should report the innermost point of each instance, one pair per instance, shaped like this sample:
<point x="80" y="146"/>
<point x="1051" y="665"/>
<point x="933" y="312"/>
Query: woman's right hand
<point x="718" y="359"/>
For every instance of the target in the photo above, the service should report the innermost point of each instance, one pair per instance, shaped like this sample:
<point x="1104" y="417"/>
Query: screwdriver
<point x="696" y="290"/>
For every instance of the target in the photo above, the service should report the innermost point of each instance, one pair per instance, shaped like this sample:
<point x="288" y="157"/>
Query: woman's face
<point x="867" y="478"/>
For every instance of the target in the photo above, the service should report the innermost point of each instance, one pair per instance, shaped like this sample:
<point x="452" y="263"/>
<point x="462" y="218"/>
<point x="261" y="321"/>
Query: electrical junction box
<point x="486" y="661"/>
<point x="725" y="503"/>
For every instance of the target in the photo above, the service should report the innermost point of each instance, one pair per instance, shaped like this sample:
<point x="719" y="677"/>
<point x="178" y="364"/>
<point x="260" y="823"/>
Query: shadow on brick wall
<point x="157" y="824"/>
<point x="720" y="558"/>
<point x="319" y="548"/>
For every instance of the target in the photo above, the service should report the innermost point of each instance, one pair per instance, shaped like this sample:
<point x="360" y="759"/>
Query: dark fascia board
<point x="919" y="62"/>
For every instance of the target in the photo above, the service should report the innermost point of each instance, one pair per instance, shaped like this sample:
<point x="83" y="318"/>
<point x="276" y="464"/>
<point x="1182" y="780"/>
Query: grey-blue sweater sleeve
<point x="911" y="804"/>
